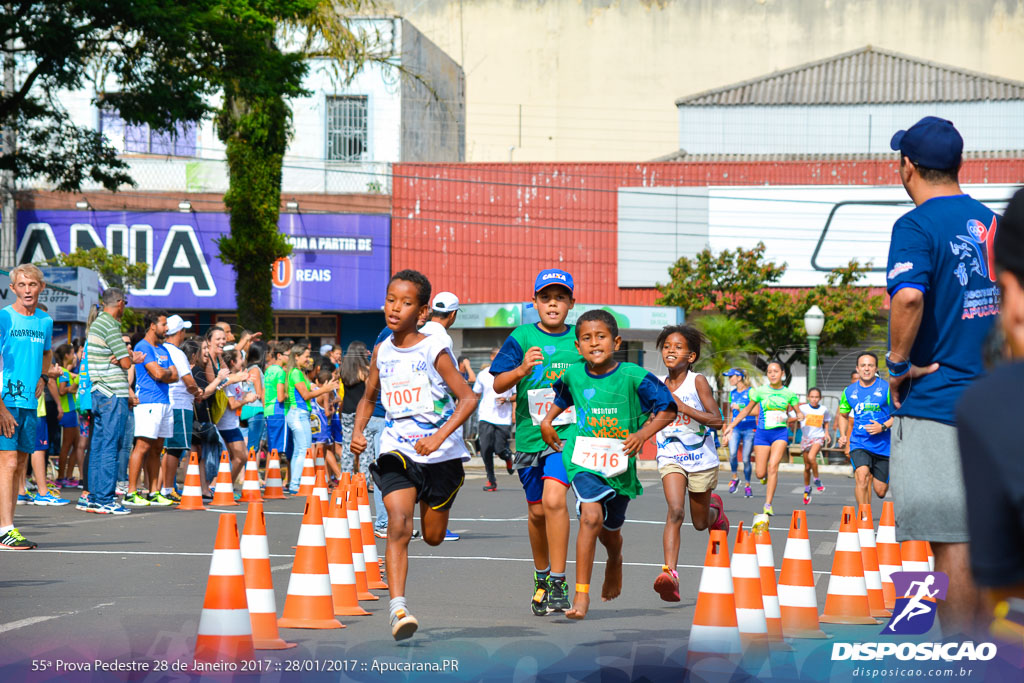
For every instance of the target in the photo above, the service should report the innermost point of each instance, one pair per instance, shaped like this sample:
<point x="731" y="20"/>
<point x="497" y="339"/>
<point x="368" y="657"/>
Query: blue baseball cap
<point x="734" y="372"/>
<point x="931" y="142"/>
<point x="552" y="276"/>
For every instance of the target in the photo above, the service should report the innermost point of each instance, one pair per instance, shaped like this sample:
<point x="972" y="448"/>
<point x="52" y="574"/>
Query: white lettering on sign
<point x="330" y="244"/>
<point x="313" y="275"/>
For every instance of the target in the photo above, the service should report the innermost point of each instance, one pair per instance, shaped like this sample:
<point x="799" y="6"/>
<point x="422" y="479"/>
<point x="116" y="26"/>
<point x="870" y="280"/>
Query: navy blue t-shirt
<point x="378" y="410"/>
<point x="943" y="248"/>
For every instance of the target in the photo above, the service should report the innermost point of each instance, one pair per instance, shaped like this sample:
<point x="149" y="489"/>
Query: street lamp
<point x="814" y="321"/>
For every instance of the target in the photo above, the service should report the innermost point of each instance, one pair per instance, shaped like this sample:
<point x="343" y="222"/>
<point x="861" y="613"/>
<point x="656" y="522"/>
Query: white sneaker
<point x="121" y="488"/>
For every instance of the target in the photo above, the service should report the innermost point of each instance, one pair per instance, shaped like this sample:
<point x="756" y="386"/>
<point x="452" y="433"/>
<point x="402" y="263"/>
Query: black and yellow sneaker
<point x="13" y="540"/>
<point x="558" y="595"/>
<point x="539" y="604"/>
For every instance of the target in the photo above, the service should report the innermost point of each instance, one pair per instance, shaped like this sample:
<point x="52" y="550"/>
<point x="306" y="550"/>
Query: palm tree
<point x="730" y="345"/>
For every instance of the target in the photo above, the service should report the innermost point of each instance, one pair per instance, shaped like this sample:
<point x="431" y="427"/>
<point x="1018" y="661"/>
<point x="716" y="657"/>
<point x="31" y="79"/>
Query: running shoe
<point x="748" y="492"/>
<point x="112" y="508"/>
<point x="84" y="503"/>
<point x="768" y="510"/>
<point x="121" y="489"/>
<point x="539" y="604"/>
<point x="160" y="500"/>
<point x="722" y="523"/>
<point x="13" y="540"/>
<point x="53" y="489"/>
<point x="403" y="624"/>
<point x="26" y="499"/>
<point x="760" y="524"/>
<point x="49" y="499"/>
<point x="135" y="500"/>
<point x="508" y="462"/>
<point x="733" y="485"/>
<point x="380" y="533"/>
<point x="30" y="486"/>
<point x="71" y="483"/>
<point x="764" y="480"/>
<point x="807" y="495"/>
<point x="819" y="485"/>
<point x="667" y="584"/>
<point x="490" y="486"/>
<point x="558" y="595"/>
<point x="174" y="496"/>
<point x="415" y="534"/>
<point x="450" y="535"/>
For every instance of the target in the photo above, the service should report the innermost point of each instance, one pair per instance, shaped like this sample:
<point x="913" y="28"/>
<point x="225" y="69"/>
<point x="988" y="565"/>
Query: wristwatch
<point x="896" y="369"/>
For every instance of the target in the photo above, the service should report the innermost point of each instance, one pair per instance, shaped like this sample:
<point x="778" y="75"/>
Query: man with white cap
<point x="182" y="396"/>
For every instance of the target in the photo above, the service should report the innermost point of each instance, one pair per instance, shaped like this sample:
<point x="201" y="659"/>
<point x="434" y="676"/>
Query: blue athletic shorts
<point x="532" y="478"/>
<point x="278" y="437"/>
<point x="231" y="435"/>
<point x="69" y="420"/>
<point x="766" y="437"/>
<point x="24" y="438"/>
<point x="590" y="488"/>
<point x="337" y="433"/>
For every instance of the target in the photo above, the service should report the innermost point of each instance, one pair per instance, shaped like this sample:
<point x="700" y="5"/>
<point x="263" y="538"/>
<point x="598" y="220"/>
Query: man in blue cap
<point x="741" y="440"/>
<point x="942" y="280"/>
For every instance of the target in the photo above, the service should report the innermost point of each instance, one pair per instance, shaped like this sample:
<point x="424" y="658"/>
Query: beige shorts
<point x="696" y="482"/>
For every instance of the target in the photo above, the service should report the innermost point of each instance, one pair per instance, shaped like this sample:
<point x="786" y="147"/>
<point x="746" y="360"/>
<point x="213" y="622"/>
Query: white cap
<point x="445" y="302"/>
<point x="326" y="349"/>
<point x="176" y="324"/>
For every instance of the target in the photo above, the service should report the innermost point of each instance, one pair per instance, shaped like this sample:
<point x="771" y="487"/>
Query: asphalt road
<point x="129" y="590"/>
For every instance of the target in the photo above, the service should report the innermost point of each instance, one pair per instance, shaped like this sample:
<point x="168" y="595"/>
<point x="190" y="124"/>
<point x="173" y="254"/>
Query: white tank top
<point x="416" y="400"/>
<point x="686" y="442"/>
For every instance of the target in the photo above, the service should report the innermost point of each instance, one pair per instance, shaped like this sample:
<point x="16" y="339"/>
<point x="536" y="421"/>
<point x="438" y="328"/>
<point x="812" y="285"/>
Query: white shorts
<point x="154" y="421"/>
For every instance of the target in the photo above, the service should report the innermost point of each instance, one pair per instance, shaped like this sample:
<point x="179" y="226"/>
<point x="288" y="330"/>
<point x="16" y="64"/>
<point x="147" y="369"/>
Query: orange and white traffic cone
<point x="309" y="603"/>
<point x="769" y="589"/>
<point x="251" y="483"/>
<point x="931" y="557"/>
<point x="373" y="577"/>
<point x="346" y="479"/>
<point x="339" y="559"/>
<point x="746" y="582"/>
<point x="915" y="556"/>
<point x="259" y="586"/>
<point x="224" y="489"/>
<point x="319" y="461"/>
<point x="889" y="557"/>
<point x="847" y="598"/>
<point x="358" y="560"/>
<point x="869" y="555"/>
<point x="274" y="489"/>
<point x="715" y="632"/>
<point x="225" y="632"/>
<point x="192" y="493"/>
<point x="798" y="603"/>
<point x="320" y="493"/>
<point x="308" y="480"/>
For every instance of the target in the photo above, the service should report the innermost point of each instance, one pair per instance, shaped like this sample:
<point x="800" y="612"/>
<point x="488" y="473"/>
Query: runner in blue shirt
<point x="743" y="434"/>
<point x="867" y="400"/>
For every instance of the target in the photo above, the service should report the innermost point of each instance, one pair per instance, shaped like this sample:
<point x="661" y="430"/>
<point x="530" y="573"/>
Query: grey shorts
<point x="927" y="482"/>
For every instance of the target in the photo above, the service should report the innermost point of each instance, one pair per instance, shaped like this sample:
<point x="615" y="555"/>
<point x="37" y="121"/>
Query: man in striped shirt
<point x="108" y="360"/>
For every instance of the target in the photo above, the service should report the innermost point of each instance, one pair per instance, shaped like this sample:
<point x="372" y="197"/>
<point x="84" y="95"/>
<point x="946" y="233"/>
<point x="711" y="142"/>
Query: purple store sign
<point x="339" y="262"/>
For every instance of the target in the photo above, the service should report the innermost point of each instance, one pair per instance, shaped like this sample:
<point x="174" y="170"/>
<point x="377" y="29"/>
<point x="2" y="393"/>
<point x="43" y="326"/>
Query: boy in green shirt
<point x="531" y="359"/>
<point x="613" y="401"/>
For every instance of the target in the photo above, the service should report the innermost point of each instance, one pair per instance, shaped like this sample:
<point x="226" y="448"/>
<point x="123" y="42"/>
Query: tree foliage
<point x="730" y="345"/>
<point x="737" y="284"/>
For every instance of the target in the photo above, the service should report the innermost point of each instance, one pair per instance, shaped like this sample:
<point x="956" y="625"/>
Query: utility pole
<point x="8" y="218"/>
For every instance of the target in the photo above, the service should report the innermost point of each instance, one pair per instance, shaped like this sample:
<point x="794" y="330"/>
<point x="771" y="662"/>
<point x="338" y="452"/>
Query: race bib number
<point x="541" y="401"/>
<point x="407" y="395"/>
<point x="605" y="456"/>
<point x="683" y="425"/>
<point x="314" y="424"/>
<point x="774" y="419"/>
<point x="814" y="420"/>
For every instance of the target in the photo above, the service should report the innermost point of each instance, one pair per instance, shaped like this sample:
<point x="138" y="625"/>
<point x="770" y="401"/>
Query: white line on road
<point x="825" y="548"/>
<point x="22" y="623"/>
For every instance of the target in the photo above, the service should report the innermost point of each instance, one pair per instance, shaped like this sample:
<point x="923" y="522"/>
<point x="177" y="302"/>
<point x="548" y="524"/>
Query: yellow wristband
<point x="582" y="587"/>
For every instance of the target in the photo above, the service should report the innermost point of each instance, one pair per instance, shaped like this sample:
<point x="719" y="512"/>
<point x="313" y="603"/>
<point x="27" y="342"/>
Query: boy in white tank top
<point x="687" y="458"/>
<point x="421" y="449"/>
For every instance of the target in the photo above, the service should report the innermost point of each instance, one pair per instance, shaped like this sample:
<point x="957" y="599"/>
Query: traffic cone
<point x="889" y="557"/>
<point x="320" y="493"/>
<point x="746" y="582"/>
<point x="225" y="632"/>
<point x="274" y="489"/>
<point x="798" y="603"/>
<point x="346" y="479"/>
<point x="715" y="632"/>
<point x="259" y="586"/>
<point x="224" y="489"/>
<point x="931" y="557"/>
<point x="320" y="463"/>
<point x="309" y="603"/>
<point x="769" y="589"/>
<point x="869" y="555"/>
<point x="847" y="599"/>
<point x="192" y="493"/>
<point x="251" y="483"/>
<point x="373" y="578"/>
<point x="339" y="559"/>
<point x="308" y="480"/>
<point x="915" y="556"/>
<point x="358" y="561"/>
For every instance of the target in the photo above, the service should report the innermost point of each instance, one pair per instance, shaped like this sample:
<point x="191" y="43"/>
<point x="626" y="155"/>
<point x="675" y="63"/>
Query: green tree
<point x="737" y="284"/>
<point x="114" y="270"/>
<point x="730" y="345"/>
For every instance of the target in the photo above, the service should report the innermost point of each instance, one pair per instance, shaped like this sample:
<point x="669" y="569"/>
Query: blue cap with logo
<point x="931" y="142"/>
<point x="734" y="372"/>
<point x="552" y="276"/>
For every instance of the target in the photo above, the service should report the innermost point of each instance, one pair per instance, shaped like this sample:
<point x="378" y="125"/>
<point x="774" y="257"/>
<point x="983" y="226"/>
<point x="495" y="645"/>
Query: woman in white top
<point x="687" y="458"/>
<point x="228" y="425"/>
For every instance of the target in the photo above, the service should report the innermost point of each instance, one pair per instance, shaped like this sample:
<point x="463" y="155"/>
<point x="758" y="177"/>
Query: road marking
<point x="22" y="623"/>
<point x="825" y="548"/>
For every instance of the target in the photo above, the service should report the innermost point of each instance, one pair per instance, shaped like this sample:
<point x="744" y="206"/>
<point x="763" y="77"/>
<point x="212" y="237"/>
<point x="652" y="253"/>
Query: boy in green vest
<point x="613" y="401"/>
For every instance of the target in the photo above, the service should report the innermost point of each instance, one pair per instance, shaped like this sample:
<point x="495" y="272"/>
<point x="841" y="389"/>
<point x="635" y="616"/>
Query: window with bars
<point x="347" y="128"/>
<point x="140" y="139"/>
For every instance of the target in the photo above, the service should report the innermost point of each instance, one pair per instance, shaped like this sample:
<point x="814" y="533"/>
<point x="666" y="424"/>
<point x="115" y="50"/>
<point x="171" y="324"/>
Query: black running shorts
<point x="436" y="484"/>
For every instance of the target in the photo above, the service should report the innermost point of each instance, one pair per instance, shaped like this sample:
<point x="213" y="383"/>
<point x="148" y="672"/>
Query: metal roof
<point x="864" y="76"/>
<point x="683" y="155"/>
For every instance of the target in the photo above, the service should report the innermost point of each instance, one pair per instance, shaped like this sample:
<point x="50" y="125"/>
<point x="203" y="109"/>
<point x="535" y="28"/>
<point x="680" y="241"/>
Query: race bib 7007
<point x="406" y="395"/>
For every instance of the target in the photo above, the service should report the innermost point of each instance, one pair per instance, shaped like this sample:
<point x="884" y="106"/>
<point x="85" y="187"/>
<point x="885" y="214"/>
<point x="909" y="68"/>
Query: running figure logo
<point x="914" y="613"/>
